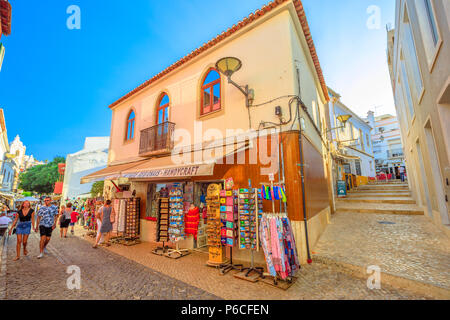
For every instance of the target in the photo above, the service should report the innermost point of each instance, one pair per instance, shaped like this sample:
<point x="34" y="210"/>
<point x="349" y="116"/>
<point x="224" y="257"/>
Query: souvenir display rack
<point x="249" y="211"/>
<point x="216" y="250"/>
<point x="162" y="226"/>
<point x="213" y="223"/>
<point x="229" y="208"/>
<point x="132" y="218"/>
<point x="273" y="188"/>
<point x="176" y="221"/>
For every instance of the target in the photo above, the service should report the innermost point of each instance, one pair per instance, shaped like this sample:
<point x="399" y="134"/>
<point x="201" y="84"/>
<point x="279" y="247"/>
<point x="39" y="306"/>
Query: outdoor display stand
<point x="162" y="226"/>
<point x="228" y="210"/>
<point x="127" y="222"/>
<point x="249" y="210"/>
<point x="176" y="222"/>
<point x="216" y="250"/>
<point x="132" y="225"/>
<point x="275" y="191"/>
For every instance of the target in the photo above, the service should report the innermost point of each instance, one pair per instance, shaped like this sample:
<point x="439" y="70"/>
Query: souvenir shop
<point x="227" y="221"/>
<point x="244" y="219"/>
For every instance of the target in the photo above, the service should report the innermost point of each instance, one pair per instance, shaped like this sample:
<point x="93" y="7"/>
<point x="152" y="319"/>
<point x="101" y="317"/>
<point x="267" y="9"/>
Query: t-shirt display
<point x="191" y="221"/>
<point x="122" y="213"/>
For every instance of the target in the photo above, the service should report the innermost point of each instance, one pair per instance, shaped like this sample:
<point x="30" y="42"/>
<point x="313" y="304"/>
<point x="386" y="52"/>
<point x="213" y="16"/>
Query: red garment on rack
<point x="191" y="220"/>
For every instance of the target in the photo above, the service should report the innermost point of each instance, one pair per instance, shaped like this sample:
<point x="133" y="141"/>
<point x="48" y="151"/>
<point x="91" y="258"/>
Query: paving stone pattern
<point x="412" y="248"/>
<point x="314" y="282"/>
<point x="104" y="275"/>
<point x="122" y="272"/>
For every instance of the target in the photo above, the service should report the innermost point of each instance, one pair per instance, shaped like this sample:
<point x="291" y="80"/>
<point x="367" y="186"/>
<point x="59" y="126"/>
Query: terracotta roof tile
<point x="252" y="17"/>
<point x="5" y="17"/>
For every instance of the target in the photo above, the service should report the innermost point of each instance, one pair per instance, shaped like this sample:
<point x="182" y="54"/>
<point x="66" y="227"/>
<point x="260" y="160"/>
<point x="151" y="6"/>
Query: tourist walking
<point x="47" y="223"/>
<point x="23" y="222"/>
<point x="65" y="219"/>
<point x="107" y="217"/>
<point x="73" y="219"/>
<point x="402" y="173"/>
<point x="99" y="221"/>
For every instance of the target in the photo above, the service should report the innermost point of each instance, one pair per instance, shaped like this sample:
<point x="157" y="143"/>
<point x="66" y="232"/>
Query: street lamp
<point x="228" y="66"/>
<point x="342" y="119"/>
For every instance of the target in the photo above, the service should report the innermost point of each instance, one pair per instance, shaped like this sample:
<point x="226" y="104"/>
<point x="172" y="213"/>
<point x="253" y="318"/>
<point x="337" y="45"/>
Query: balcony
<point x="157" y="140"/>
<point x="395" y="153"/>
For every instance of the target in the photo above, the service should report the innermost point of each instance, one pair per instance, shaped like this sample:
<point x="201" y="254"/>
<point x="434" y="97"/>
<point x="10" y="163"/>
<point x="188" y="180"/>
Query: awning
<point x="165" y="168"/>
<point x="185" y="165"/>
<point x="177" y="165"/>
<point x="111" y="172"/>
<point x="9" y="196"/>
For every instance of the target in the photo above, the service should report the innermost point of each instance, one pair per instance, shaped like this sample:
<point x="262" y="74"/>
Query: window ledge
<point x="422" y="93"/>
<point x="435" y="56"/>
<point x="128" y="141"/>
<point x="211" y="114"/>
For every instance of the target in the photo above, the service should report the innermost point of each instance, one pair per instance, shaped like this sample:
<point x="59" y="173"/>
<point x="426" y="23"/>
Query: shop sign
<point x="341" y="188"/>
<point x="183" y="171"/>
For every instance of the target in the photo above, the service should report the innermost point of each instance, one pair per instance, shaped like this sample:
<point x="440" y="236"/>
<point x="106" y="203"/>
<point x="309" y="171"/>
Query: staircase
<point x="391" y="198"/>
<point x="380" y="225"/>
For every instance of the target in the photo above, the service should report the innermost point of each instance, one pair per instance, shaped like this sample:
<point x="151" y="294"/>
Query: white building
<point x="418" y="59"/>
<point x="93" y="157"/>
<point x="352" y="143"/>
<point x="7" y="165"/>
<point x="387" y="143"/>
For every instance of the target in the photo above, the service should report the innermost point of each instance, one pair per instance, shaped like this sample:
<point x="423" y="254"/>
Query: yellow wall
<point x="267" y="49"/>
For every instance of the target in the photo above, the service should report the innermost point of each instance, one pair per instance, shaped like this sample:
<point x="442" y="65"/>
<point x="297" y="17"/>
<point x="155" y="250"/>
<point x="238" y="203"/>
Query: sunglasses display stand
<point x="249" y="209"/>
<point x="228" y="217"/>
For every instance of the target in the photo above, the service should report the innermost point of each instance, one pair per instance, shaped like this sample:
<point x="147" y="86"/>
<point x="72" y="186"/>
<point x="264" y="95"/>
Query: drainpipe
<point x="302" y="171"/>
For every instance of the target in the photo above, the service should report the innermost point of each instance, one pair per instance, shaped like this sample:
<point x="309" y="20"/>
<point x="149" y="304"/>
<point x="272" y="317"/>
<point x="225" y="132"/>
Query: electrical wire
<point x="273" y="100"/>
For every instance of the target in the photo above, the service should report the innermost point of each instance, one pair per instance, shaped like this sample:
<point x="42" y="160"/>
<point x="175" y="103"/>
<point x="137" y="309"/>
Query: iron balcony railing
<point x="157" y="139"/>
<point x="395" y="153"/>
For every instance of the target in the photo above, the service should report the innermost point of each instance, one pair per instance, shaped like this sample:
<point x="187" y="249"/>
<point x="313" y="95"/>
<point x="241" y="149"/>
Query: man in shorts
<point x="47" y="223"/>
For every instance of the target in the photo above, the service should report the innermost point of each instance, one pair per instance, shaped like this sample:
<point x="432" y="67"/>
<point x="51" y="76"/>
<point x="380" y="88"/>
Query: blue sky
<point x="56" y="84"/>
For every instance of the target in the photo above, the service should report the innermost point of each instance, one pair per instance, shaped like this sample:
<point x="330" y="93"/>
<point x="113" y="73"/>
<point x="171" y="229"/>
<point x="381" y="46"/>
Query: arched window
<point x="211" y="92"/>
<point x="162" y="110"/>
<point x="131" y="124"/>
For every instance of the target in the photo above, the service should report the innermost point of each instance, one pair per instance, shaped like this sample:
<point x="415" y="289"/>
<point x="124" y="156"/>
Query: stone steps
<point x="360" y="191"/>
<point x="386" y="278"/>
<point x="382" y="189"/>
<point x="393" y="200"/>
<point x="381" y="208"/>
<point x="372" y="195"/>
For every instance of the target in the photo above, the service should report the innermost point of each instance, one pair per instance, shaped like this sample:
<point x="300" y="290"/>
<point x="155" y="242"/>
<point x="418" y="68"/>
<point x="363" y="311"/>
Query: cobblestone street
<point x="121" y="272"/>
<point x="103" y="275"/>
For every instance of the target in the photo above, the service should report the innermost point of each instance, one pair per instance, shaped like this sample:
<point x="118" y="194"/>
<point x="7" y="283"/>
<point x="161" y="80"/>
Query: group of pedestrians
<point x="47" y="217"/>
<point x="25" y="221"/>
<point x="68" y="217"/>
